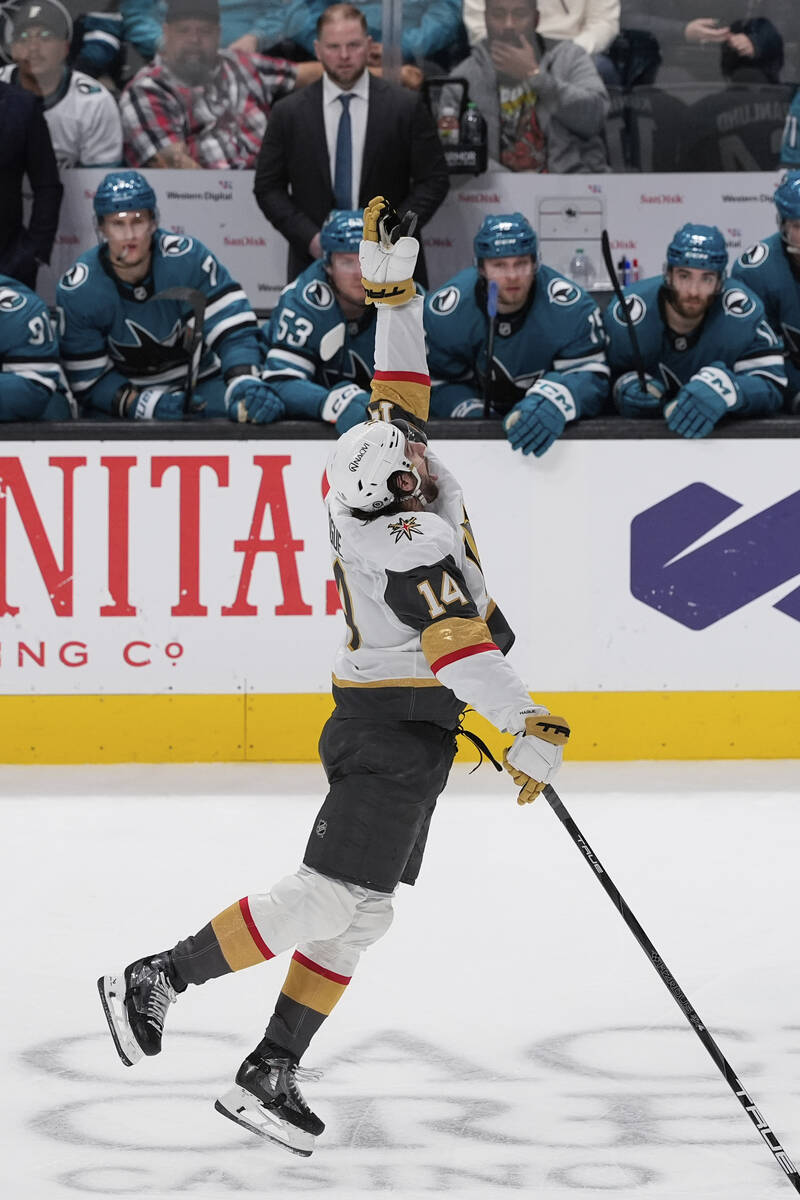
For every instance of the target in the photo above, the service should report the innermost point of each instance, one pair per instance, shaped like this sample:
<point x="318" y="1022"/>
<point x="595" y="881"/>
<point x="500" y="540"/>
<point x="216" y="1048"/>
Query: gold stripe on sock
<point x="235" y="939"/>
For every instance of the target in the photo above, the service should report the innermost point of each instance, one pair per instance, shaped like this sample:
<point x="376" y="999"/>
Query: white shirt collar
<point x="331" y="90"/>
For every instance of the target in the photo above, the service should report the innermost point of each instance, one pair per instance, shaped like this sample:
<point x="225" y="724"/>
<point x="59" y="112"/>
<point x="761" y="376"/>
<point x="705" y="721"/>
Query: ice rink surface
<point x="507" y="1038"/>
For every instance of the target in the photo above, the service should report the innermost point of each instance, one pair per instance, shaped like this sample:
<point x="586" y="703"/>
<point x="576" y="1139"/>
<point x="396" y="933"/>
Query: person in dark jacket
<point x="26" y="150"/>
<point x="306" y="167"/>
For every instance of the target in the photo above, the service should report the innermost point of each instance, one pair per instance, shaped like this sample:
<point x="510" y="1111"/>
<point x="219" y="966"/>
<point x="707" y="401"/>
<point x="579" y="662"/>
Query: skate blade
<point x="112" y="998"/>
<point x="239" y="1106"/>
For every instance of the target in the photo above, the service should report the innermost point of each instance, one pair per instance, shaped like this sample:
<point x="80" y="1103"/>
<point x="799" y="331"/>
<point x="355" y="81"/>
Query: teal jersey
<point x="32" y="383"/>
<point x="116" y="334"/>
<point x="558" y="335"/>
<point x="767" y="270"/>
<point x="313" y="347"/>
<point x="735" y="332"/>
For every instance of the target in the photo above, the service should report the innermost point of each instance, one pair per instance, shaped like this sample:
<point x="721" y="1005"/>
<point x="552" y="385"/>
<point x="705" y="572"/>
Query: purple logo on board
<point x="712" y="581"/>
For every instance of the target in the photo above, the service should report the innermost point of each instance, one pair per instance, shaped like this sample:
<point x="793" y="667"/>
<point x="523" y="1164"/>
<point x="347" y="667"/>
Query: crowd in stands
<point x="328" y="115"/>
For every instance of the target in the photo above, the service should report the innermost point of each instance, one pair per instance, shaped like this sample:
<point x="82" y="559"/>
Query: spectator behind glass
<point x="81" y="114"/>
<point x="544" y="102"/>
<point x="96" y="38"/>
<point x="593" y="24"/>
<point x="739" y="128"/>
<point x="388" y="146"/>
<point x="199" y="106"/>
<point x="26" y="149"/>
<point x="689" y="32"/>
<point x="752" y="52"/>
<point x="433" y="33"/>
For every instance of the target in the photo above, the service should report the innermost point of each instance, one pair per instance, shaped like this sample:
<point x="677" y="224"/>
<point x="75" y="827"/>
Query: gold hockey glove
<point x="388" y="254"/>
<point x="535" y="754"/>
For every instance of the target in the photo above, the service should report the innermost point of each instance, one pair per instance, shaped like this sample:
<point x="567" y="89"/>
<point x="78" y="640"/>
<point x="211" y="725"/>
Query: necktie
<point x="343" y="167"/>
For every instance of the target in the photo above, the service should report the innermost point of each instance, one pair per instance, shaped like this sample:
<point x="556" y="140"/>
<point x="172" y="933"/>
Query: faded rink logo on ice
<point x="697" y="579"/>
<point x="608" y="1111"/>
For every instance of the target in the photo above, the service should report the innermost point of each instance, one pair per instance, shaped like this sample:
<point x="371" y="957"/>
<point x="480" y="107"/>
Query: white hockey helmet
<point x="363" y="462"/>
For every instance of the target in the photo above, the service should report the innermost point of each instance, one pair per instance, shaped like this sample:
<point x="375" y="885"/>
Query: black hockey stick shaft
<point x="638" y="361"/>
<point x="671" y="984"/>
<point x="491" y="312"/>
<point x="193" y="344"/>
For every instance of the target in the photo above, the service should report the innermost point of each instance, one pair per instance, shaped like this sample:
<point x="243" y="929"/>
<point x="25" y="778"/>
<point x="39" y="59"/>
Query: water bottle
<point x="447" y="125"/>
<point x="473" y="126"/>
<point x="581" y="270"/>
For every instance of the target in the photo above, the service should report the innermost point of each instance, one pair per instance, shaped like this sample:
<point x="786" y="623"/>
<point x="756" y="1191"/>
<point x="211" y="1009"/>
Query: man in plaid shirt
<point x="199" y="106"/>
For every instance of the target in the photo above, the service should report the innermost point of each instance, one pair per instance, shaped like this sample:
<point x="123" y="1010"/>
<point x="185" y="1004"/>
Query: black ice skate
<point x="135" y="1004"/>
<point x="268" y="1102"/>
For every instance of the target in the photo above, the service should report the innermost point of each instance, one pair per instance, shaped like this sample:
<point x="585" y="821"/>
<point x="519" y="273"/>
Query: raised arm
<point x="401" y="385"/>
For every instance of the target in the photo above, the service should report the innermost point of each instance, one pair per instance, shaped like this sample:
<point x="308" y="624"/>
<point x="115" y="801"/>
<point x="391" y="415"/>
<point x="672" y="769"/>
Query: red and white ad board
<point x="641" y="578"/>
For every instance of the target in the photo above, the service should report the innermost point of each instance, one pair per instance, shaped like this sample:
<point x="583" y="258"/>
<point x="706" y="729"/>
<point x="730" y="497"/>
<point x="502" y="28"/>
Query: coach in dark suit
<point x="26" y="150"/>
<point x="344" y="139"/>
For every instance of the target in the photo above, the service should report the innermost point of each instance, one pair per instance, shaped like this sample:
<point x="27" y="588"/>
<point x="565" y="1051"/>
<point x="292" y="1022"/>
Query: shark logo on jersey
<point x="75" y="276"/>
<point x="146" y="355"/>
<point x="755" y="255"/>
<point x="737" y="303"/>
<point x="356" y="369"/>
<point x="10" y="300"/>
<point x="636" y="310"/>
<point x="445" y="301"/>
<point x="563" y="292"/>
<point x="173" y="245"/>
<point x="318" y="294"/>
<point x="404" y="527"/>
<point x="672" y="385"/>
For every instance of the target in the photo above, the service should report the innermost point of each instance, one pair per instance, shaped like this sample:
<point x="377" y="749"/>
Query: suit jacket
<point x="26" y="149"/>
<point x="402" y="161"/>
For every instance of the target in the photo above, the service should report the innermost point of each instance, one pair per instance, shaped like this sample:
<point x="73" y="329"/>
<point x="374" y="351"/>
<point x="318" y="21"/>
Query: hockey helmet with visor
<point x="504" y="235"/>
<point x="124" y="191"/>
<point x="342" y="232"/>
<point x="701" y="247"/>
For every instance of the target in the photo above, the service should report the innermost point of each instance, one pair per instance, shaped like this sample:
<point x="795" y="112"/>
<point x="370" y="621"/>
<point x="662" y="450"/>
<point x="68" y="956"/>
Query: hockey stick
<point x="671" y="984"/>
<point x="638" y="361"/>
<point x="491" y="312"/>
<point x="192" y="336"/>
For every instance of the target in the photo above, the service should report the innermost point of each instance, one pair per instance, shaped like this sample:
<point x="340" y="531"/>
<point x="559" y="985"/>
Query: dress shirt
<point x="332" y="111"/>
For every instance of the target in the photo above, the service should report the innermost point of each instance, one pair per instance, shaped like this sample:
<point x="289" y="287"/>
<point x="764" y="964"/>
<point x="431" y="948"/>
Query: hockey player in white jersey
<point x="423" y="639"/>
<point x="81" y="114"/>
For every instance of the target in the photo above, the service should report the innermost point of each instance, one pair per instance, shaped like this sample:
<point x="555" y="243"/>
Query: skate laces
<point x="294" y="1075"/>
<point x="161" y="995"/>
<point x="307" y="1075"/>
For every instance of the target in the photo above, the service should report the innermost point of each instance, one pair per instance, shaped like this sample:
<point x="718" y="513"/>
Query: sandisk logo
<point x="359" y="455"/>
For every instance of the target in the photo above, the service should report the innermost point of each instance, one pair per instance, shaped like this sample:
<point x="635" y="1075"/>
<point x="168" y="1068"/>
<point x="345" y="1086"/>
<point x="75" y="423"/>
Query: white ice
<point x="507" y="1038"/>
